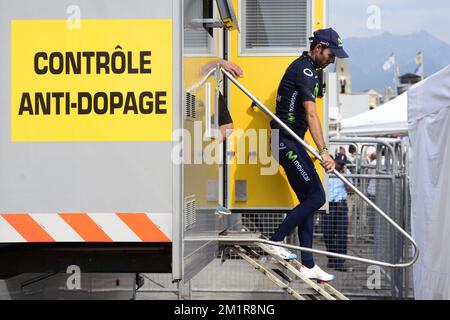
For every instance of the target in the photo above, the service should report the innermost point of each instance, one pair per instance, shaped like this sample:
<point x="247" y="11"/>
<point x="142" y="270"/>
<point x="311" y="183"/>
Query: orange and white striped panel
<point x="85" y="227"/>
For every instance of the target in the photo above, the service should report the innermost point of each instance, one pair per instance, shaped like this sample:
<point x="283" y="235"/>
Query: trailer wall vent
<point x="190" y="106"/>
<point x="190" y="213"/>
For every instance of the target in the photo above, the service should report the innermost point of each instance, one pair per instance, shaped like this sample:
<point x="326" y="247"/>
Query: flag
<point x="419" y="63"/>
<point x="419" y="57"/>
<point x="389" y="62"/>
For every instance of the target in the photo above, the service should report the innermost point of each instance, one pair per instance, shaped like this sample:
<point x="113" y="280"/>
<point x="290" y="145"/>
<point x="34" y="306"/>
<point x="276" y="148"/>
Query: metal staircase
<point x="287" y="275"/>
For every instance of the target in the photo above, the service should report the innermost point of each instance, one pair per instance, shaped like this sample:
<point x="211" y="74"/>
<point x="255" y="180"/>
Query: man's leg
<point x="341" y="230"/>
<point x="306" y="183"/>
<point x="305" y="236"/>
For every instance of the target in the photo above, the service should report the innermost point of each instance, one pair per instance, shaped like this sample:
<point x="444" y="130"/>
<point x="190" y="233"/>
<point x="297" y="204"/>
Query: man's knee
<point x="319" y="199"/>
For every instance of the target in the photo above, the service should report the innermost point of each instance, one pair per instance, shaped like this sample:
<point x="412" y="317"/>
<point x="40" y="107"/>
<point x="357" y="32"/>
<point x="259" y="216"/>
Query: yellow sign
<point x="109" y="80"/>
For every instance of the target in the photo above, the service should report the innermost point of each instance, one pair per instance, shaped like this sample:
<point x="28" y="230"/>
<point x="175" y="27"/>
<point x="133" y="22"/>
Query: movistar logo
<point x="291" y="155"/>
<point x="316" y="90"/>
<point x="291" y="117"/>
<point x="340" y="42"/>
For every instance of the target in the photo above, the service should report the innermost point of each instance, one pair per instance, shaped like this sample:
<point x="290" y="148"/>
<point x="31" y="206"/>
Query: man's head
<point x="342" y="156"/>
<point x="326" y="45"/>
<point x="352" y="149"/>
<point x="340" y="165"/>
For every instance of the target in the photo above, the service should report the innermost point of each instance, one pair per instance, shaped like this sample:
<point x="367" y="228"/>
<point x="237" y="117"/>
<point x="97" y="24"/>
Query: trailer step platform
<point x="285" y="274"/>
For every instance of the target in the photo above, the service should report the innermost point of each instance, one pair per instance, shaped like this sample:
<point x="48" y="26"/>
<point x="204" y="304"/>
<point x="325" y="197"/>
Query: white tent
<point x="429" y="135"/>
<point x="389" y="118"/>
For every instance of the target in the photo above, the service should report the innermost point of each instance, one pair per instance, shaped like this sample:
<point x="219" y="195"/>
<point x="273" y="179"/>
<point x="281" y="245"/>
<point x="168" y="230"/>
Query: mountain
<point x="367" y="56"/>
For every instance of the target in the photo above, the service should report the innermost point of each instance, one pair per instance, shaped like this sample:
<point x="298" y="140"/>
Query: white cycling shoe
<point x="282" y="252"/>
<point x="316" y="273"/>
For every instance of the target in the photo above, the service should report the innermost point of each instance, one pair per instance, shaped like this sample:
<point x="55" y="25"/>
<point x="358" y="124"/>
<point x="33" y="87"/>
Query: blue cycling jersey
<point x="300" y="83"/>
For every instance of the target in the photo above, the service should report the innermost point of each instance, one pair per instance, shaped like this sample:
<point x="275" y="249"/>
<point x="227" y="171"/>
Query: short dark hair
<point x="351" y="148"/>
<point x="313" y="45"/>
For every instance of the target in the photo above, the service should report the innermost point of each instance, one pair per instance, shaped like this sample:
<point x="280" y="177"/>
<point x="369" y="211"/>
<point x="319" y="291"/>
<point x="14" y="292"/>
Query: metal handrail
<point x="239" y="240"/>
<point x="202" y="81"/>
<point x="337" y="174"/>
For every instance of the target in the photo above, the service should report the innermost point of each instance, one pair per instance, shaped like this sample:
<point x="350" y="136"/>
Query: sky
<point x="365" y="18"/>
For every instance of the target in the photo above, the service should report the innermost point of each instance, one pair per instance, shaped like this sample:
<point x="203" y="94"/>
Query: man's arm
<point x="225" y="120"/>
<point x="316" y="132"/>
<point x="231" y="67"/>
